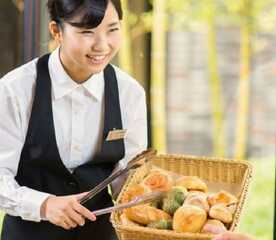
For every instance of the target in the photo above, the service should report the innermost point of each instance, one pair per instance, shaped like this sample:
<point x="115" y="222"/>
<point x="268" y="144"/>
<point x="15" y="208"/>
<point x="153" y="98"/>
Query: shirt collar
<point x="63" y="84"/>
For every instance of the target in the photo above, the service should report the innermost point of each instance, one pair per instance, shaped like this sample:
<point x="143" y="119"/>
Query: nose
<point x="100" y="44"/>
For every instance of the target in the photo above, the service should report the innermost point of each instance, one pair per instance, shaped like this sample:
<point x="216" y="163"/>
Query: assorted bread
<point x="186" y="208"/>
<point x="158" y="180"/>
<point x="146" y="214"/>
<point x="189" y="218"/>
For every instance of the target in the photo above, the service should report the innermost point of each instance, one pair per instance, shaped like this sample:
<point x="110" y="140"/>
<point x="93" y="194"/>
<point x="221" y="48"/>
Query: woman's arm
<point x="14" y="199"/>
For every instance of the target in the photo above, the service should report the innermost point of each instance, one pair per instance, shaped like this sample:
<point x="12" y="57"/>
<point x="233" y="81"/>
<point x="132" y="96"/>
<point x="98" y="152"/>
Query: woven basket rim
<point x="172" y="234"/>
<point x="207" y="158"/>
<point x="160" y="232"/>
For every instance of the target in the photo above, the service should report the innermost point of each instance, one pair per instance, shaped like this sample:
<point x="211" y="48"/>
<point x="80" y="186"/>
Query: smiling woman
<point x="95" y="25"/>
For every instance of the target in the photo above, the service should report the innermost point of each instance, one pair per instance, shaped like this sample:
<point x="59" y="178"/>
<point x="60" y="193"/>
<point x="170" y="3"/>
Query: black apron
<point x="42" y="169"/>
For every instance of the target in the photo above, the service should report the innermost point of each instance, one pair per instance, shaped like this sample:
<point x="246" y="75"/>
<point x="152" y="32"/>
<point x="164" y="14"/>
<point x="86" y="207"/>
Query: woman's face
<point x="85" y="52"/>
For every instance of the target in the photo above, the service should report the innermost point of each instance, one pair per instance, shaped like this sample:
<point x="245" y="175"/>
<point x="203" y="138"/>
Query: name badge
<point x="116" y="134"/>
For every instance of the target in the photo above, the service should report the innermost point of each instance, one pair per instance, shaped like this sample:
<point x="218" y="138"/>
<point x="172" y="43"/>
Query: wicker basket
<point x="231" y="175"/>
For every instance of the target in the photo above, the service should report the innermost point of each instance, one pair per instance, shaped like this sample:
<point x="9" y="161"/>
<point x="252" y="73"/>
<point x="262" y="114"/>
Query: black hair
<point x="91" y="12"/>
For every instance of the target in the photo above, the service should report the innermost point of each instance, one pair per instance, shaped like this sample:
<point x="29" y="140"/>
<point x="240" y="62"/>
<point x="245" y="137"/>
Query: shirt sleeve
<point x="14" y="199"/>
<point x="137" y="131"/>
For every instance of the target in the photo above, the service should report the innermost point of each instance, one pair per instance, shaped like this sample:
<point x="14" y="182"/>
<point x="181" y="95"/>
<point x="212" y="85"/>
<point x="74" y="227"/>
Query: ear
<point x="55" y="31"/>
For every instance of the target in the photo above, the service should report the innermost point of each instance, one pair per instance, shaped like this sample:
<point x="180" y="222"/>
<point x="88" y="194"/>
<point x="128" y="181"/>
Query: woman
<point x="67" y="119"/>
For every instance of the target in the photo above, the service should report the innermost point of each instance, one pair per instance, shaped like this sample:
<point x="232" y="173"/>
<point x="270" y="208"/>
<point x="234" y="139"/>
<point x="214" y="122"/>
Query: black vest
<point x="42" y="169"/>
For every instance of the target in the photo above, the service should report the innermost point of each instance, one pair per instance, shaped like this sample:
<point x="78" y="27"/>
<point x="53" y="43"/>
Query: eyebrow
<point x="113" y="24"/>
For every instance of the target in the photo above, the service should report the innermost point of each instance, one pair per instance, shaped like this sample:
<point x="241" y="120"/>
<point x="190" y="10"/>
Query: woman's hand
<point x="66" y="211"/>
<point x="232" y="236"/>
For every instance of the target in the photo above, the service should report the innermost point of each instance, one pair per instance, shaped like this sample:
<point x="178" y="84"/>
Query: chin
<point x="97" y="69"/>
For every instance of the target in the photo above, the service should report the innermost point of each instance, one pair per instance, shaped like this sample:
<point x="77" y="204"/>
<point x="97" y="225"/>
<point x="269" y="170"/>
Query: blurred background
<point x="209" y="70"/>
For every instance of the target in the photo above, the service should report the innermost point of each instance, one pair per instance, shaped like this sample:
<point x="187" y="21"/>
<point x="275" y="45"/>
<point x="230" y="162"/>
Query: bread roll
<point x="126" y="221"/>
<point x="213" y="226"/>
<point x="220" y="212"/>
<point x="189" y="218"/>
<point x="145" y="214"/>
<point x="135" y="191"/>
<point x="198" y="199"/>
<point x="158" y="180"/>
<point x="222" y="197"/>
<point x="192" y="183"/>
<point x="232" y="208"/>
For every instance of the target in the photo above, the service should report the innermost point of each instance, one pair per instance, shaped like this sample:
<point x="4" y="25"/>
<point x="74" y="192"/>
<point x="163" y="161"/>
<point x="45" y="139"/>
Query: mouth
<point x="97" y="59"/>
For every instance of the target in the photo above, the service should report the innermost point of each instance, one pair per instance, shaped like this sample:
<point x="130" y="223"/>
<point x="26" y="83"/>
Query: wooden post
<point x="125" y="54"/>
<point x="31" y="29"/>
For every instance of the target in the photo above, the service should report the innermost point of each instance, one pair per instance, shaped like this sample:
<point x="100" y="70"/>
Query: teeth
<point x="97" y="58"/>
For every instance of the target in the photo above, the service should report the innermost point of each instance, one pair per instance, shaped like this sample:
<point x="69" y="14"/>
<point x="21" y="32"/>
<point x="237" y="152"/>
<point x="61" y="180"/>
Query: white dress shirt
<point x="78" y="118"/>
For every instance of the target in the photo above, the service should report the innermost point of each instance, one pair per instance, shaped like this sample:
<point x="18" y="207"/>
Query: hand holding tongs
<point x="136" y="201"/>
<point x="136" y="162"/>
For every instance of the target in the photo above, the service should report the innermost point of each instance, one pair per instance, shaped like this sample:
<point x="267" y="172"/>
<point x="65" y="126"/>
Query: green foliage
<point x="260" y="14"/>
<point x="257" y="218"/>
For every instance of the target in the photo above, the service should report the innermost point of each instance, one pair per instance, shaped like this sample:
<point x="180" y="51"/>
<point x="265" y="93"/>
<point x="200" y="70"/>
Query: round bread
<point x="192" y="183"/>
<point x="232" y="208"/>
<point x="213" y="226"/>
<point x="222" y="197"/>
<point x="198" y="199"/>
<point x="158" y="181"/>
<point x="134" y="191"/>
<point x="145" y="214"/>
<point x="189" y="218"/>
<point x="220" y="212"/>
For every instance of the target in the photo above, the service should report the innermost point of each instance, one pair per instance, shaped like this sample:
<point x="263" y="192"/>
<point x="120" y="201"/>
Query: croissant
<point x="145" y="214"/>
<point x="126" y="221"/>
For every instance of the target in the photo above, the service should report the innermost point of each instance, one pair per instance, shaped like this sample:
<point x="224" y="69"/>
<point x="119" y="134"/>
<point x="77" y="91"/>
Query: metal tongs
<point x="136" y="162"/>
<point x="136" y="201"/>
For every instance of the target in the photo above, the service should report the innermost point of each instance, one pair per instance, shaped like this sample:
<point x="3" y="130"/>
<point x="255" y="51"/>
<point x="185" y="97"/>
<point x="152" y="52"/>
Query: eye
<point x="113" y="29"/>
<point x="86" y="32"/>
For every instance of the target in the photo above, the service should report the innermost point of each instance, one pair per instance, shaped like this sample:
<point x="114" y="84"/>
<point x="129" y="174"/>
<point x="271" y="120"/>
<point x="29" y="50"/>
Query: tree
<point x="248" y="13"/>
<point x="205" y="12"/>
<point x="244" y="83"/>
<point x="158" y="67"/>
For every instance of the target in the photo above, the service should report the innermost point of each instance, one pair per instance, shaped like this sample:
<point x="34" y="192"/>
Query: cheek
<point x="76" y="49"/>
<point x="74" y="43"/>
<point x="116" y="42"/>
